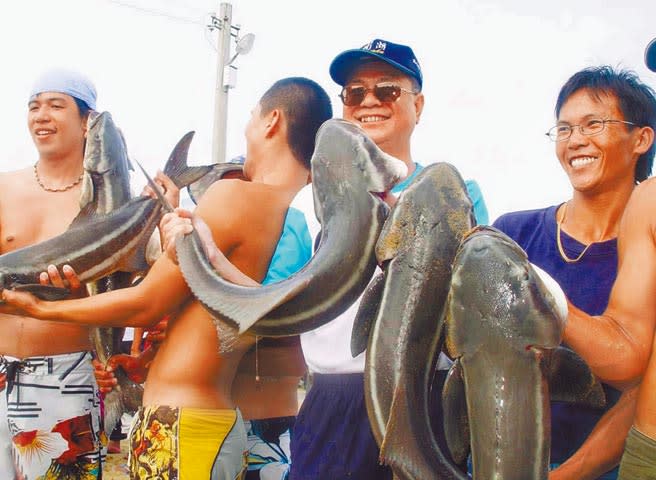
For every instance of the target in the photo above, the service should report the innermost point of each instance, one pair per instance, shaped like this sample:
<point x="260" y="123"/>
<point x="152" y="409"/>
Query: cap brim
<point x="347" y="61"/>
<point x="650" y="55"/>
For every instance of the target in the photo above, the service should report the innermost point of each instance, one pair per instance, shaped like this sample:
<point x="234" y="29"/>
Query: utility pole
<point x="222" y="84"/>
<point x="226" y="74"/>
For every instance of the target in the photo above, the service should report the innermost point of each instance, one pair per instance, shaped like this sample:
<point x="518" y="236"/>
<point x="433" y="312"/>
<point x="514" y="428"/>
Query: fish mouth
<point x="92" y="119"/>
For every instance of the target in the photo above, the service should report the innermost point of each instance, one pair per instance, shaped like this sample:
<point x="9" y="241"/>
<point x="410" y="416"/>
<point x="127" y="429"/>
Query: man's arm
<point x="604" y="446"/>
<point x="143" y="305"/>
<point x="162" y="290"/>
<point x="617" y="344"/>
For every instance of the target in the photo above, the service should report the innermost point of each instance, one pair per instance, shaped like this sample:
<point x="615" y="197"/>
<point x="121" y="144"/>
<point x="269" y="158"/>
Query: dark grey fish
<point x="94" y="245"/>
<point x="106" y="187"/>
<point x="106" y="181"/>
<point x="219" y="170"/>
<point x="348" y="169"/>
<point x="502" y="323"/>
<point x="403" y="321"/>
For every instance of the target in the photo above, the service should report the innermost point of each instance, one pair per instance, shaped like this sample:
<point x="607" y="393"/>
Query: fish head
<point x="433" y="206"/>
<point x="344" y="152"/>
<point x="105" y="148"/>
<point x="497" y="301"/>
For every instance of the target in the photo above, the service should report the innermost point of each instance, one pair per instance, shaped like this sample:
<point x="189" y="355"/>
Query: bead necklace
<point x="50" y="189"/>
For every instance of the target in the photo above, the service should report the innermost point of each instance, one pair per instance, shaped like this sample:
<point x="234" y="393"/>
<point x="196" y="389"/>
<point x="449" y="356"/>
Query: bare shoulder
<point x="13" y="184"/>
<point x="642" y="204"/>
<point x="236" y="198"/>
<point x="15" y="177"/>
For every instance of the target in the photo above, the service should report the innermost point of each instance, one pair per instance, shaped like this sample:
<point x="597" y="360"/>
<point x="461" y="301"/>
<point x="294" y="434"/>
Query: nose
<point x="41" y="114"/>
<point x="577" y="138"/>
<point x="370" y="99"/>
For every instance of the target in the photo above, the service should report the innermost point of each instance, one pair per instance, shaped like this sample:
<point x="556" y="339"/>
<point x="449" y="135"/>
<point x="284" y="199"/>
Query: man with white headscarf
<point x="49" y="403"/>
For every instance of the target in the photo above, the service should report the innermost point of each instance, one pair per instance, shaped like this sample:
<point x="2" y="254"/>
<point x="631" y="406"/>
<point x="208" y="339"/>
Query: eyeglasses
<point x="385" y="92"/>
<point x="594" y="126"/>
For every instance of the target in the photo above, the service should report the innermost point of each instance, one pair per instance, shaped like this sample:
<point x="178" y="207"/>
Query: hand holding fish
<point x="20" y="303"/>
<point x="70" y="280"/>
<point x="169" y="189"/>
<point x="136" y="368"/>
<point x="172" y="226"/>
<point x="104" y="376"/>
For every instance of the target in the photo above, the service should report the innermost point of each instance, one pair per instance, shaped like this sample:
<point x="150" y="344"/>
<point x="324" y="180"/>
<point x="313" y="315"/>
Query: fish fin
<point x="456" y="421"/>
<point x="85" y="215"/>
<point x="131" y="393"/>
<point x="88" y="193"/>
<point x="155" y="188"/>
<point x="176" y="167"/>
<point x="394" y="449"/>
<point x="113" y="408"/>
<point x="366" y="316"/>
<point x="227" y="334"/>
<point x="44" y="292"/>
<point x="198" y="188"/>
<point x="571" y="380"/>
<point x="238" y="305"/>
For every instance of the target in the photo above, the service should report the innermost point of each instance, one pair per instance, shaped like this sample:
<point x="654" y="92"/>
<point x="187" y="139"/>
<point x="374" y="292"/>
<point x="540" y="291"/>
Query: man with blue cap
<point x="49" y="404"/>
<point x="332" y="439"/>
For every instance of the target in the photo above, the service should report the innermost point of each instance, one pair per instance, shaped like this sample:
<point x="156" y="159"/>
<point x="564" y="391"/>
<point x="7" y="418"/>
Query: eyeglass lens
<point x="352" y="96"/>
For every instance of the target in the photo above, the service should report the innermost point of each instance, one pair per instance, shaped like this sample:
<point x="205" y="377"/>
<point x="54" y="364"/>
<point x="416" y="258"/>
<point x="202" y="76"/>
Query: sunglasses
<point x="385" y="92"/>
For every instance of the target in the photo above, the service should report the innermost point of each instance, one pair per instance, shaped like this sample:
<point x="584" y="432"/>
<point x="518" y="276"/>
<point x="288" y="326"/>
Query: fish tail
<point x="176" y="167"/>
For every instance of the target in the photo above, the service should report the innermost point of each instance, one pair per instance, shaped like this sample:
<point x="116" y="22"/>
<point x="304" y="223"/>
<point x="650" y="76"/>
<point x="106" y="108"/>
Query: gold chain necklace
<point x="563" y="255"/>
<point x="60" y="189"/>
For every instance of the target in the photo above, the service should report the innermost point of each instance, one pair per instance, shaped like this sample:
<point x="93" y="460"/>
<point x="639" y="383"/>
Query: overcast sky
<point x="492" y="70"/>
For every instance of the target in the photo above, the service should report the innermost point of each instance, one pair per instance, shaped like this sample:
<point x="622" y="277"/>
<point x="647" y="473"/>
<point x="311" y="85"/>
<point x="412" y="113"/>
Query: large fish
<point x="401" y="319"/>
<point x="96" y="245"/>
<point x="106" y="187"/>
<point x="503" y="328"/>
<point x="348" y="171"/>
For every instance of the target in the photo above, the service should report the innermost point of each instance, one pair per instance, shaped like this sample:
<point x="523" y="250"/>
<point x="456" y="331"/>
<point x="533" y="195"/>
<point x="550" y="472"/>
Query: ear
<point x="273" y="122"/>
<point x="645" y="140"/>
<point x="419" y="106"/>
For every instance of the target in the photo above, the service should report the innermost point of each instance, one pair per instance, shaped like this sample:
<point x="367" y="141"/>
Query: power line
<point x="159" y="13"/>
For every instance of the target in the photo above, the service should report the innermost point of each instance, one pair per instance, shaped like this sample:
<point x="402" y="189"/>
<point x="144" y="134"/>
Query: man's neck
<point x="594" y="218"/>
<point x="286" y="172"/>
<point x="60" y="167"/>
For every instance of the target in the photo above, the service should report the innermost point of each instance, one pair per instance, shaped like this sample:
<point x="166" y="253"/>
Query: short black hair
<point x="82" y="107"/>
<point x="636" y="100"/>
<point x="306" y="106"/>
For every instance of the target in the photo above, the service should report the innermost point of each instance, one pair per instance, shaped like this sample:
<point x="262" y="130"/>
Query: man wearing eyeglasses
<point x="604" y="142"/>
<point x="332" y="438"/>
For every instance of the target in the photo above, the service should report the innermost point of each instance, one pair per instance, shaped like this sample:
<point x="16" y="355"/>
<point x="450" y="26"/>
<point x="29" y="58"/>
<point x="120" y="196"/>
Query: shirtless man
<point x="188" y="394"/>
<point x="633" y="301"/>
<point x="48" y="384"/>
<point x="617" y="344"/>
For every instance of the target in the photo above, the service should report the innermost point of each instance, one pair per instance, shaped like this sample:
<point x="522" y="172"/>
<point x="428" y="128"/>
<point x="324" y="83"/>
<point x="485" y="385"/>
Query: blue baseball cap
<point x="650" y="55"/>
<point x="399" y="56"/>
<point x="66" y="81"/>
